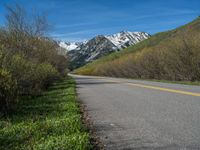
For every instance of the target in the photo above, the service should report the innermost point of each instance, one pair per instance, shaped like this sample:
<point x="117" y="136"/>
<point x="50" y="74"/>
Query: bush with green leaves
<point x="8" y="91"/>
<point x="28" y="57"/>
<point x="43" y="75"/>
<point x="31" y="77"/>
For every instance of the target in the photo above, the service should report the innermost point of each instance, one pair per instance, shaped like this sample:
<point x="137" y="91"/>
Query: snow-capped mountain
<point x="126" y="38"/>
<point x="70" y="45"/>
<point x="83" y="52"/>
<point x="95" y="48"/>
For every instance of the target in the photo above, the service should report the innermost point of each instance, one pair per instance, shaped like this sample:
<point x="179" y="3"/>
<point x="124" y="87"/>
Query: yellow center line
<point x="165" y="89"/>
<point x="159" y="88"/>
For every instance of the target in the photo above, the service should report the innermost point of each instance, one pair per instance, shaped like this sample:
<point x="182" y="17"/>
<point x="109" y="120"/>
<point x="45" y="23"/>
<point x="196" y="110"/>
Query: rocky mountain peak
<point x="101" y="45"/>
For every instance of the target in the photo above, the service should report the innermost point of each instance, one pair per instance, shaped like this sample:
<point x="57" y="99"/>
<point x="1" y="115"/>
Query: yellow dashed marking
<point x="159" y="88"/>
<point x="165" y="89"/>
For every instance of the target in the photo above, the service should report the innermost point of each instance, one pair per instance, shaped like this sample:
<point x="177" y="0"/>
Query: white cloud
<point x="170" y="12"/>
<point x="74" y="25"/>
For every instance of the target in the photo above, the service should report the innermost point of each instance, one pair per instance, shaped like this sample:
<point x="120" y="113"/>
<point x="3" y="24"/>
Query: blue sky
<point x="77" y="20"/>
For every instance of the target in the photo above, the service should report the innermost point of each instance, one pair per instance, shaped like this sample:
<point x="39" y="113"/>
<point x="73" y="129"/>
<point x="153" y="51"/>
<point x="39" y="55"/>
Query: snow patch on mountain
<point x="68" y="46"/>
<point x="126" y="38"/>
<point x="71" y="45"/>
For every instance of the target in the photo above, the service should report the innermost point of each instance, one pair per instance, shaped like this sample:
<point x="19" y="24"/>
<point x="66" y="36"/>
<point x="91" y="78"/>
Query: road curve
<point x="133" y="114"/>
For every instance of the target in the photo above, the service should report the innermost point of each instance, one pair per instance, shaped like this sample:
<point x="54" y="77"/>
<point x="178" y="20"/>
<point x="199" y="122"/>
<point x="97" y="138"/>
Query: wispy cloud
<point x="61" y="26"/>
<point x="89" y="31"/>
<point x="170" y="12"/>
<point x="76" y="35"/>
<point x="62" y="35"/>
<point x="58" y="35"/>
<point x="66" y="37"/>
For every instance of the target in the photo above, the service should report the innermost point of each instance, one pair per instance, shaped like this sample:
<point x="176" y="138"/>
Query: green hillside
<point x="170" y="55"/>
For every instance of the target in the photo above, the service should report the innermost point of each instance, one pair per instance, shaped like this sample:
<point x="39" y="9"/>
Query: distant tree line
<point x="29" y="60"/>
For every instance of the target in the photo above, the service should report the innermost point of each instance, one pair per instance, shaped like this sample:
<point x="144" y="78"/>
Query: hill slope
<point x="171" y="55"/>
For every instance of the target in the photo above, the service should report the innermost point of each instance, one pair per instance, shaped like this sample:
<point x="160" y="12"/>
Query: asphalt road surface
<point x="133" y="114"/>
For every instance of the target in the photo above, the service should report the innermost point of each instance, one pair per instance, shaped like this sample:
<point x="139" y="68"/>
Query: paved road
<point x="132" y="114"/>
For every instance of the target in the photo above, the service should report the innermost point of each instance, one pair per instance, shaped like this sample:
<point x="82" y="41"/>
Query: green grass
<point x="176" y="82"/>
<point x="49" y="122"/>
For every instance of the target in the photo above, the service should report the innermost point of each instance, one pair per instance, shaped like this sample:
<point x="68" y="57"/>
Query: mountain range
<point x="81" y="53"/>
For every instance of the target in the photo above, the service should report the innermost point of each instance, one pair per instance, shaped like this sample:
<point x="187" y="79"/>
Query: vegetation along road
<point x="134" y="114"/>
<point x="47" y="122"/>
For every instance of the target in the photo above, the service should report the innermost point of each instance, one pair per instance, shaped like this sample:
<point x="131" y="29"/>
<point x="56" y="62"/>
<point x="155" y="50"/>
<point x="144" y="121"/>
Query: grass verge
<point x="51" y="121"/>
<point x="175" y="82"/>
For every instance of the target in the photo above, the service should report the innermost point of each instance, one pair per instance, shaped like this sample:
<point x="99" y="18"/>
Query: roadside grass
<point x="175" y="82"/>
<point x="197" y="83"/>
<point x="49" y="122"/>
